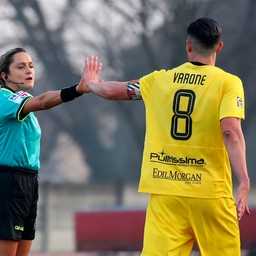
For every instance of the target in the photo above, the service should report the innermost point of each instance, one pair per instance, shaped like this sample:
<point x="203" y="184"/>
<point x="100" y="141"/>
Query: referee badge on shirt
<point x="18" y="97"/>
<point x="239" y="102"/>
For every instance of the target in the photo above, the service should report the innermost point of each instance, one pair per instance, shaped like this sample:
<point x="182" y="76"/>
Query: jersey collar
<point x="8" y="88"/>
<point x="197" y="63"/>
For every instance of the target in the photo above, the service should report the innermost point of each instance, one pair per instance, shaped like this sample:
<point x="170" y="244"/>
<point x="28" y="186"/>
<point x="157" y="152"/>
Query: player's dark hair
<point x="206" y="31"/>
<point x="6" y="60"/>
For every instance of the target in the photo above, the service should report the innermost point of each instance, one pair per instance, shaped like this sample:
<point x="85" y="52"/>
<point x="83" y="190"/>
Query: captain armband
<point x="69" y="93"/>
<point x="133" y="90"/>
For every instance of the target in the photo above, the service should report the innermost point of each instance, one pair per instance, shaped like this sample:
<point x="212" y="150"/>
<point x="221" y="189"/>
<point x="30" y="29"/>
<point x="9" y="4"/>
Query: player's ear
<point x="220" y="45"/>
<point x="3" y="75"/>
<point x="188" y="45"/>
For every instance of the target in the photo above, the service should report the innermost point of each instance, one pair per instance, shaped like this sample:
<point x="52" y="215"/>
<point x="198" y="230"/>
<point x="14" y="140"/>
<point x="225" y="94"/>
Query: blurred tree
<point x="93" y="124"/>
<point x="131" y="38"/>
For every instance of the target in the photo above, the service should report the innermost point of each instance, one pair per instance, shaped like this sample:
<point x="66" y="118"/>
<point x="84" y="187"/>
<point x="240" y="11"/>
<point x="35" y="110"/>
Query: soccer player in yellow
<point x="193" y="132"/>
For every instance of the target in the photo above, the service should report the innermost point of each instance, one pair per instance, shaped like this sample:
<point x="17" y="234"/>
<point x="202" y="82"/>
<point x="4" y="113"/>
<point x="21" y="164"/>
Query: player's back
<point x="184" y="107"/>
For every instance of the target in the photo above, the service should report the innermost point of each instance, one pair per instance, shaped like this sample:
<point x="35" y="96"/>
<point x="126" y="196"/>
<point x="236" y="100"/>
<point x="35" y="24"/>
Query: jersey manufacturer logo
<point x="19" y="228"/>
<point x="18" y="97"/>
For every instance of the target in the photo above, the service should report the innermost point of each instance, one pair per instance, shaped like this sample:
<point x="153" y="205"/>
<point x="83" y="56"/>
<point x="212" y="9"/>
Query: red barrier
<point x="122" y="230"/>
<point x="248" y="230"/>
<point x="109" y="230"/>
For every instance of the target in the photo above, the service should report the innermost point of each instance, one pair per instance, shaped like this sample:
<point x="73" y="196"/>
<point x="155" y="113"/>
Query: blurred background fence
<point x="56" y="227"/>
<point x="57" y="208"/>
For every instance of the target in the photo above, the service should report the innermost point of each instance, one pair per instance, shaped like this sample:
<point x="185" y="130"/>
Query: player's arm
<point x="108" y="90"/>
<point x="235" y="145"/>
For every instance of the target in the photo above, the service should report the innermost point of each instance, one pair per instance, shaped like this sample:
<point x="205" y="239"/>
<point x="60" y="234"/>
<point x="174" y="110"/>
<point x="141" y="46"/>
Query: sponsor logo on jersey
<point x="189" y="178"/>
<point x="239" y="102"/>
<point x="18" y="97"/>
<point x="164" y="158"/>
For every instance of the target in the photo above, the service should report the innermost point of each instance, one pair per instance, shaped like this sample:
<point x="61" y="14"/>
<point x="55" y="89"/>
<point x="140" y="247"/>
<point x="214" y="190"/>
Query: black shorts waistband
<point x="19" y="170"/>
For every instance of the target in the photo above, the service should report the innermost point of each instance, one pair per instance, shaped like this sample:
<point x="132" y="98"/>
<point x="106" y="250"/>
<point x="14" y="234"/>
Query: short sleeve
<point x="233" y="102"/>
<point x="147" y="82"/>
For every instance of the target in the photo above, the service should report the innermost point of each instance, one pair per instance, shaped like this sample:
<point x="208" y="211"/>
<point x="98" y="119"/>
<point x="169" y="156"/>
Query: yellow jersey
<point x="184" y="152"/>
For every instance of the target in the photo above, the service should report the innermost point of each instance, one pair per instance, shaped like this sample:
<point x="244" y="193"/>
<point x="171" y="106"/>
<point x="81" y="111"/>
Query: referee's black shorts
<point x="18" y="203"/>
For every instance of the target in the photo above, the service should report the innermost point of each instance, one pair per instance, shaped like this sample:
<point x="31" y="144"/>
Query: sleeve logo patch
<point x="239" y="102"/>
<point x="18" y="97"/>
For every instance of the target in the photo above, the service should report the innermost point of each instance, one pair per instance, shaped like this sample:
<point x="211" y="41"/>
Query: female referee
<point x="19" y="148"/>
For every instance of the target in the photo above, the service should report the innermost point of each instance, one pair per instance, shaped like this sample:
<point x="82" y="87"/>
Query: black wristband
<point x="69" y="93"/>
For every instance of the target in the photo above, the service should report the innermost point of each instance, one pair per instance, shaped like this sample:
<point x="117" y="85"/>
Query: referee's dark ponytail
<point x="6" y="60"/>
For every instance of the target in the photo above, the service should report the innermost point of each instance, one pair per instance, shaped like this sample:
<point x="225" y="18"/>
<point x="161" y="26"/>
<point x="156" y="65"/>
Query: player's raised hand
<point x="92" y="69"/>
<point x="91" y="72"/>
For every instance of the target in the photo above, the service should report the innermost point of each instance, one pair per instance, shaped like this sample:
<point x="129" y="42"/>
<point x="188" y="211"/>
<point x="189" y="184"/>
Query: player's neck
<point x="204" y="60"/>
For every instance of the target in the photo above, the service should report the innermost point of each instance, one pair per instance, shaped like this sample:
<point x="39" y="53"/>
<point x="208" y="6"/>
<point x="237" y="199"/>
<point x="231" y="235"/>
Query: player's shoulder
<point x="4" y="96"/>
<point x="166" y="71"/>
<point x="4" y="92"/>
<point x="154" y="75"/>
<point x="227" y="75"/>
